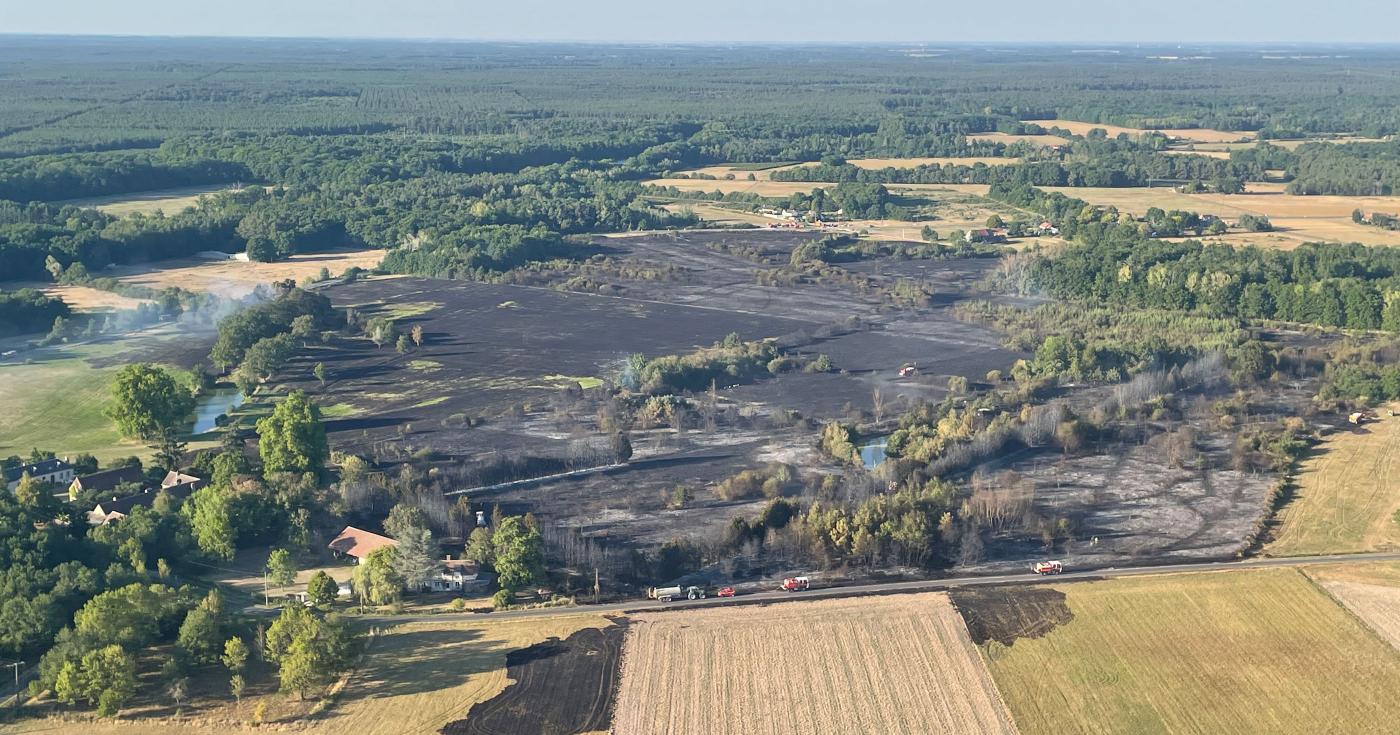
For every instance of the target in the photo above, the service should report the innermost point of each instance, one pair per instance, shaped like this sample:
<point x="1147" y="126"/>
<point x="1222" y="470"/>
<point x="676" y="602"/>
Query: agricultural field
<point x="229" y="278"/>
<point x="1193" y="135"/>
<point x="1346" y="495"/>
<point x="167" y="201"/>
<point x="1371" y="591"/>
<point x="416" y="679"/>
<point x="1296" y="219"/>
<point x="884" y="664"/>
<point x="739" y="184"/>
<point x="1244" y="652"/>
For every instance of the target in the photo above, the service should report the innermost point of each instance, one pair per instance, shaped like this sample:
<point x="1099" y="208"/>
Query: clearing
<point x="1347" y="493"/>
<point x="873" y="664"/>
<point x="1239" y="652"/>
<point x="169" y="201"/>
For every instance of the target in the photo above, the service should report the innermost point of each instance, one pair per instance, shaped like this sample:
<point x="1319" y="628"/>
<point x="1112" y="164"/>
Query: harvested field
<point x="879" y="163"/>
<point x="761" y="188"/>
<point x="1198" y="135"/>
<point x="1347" y="494"/>
<point x="236" y="277"/>
<point x="899" y="664"/>
<point x="169" y="201"/>
<point x="1377" y="605"/>
<point x="558" y="687"/>
<point x="1297" y="219"/>
<point x="1239" y="652"/>
<point x="742" y="174"/>
<point x="83" y="298"/>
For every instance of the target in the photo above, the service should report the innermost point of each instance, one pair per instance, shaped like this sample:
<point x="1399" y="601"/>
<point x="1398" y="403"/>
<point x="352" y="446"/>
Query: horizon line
<point x="1120" y="44"/>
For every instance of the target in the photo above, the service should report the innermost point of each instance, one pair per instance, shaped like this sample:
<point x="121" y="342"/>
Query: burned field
<point x="512" y="380"/>
<point x="509" y="396"/>
<point x="559" y="687"/>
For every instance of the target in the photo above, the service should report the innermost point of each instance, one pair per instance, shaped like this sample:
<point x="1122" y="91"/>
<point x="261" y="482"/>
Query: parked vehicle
<point x="1048" y="567"/>
<point x="725" y="592"/>
<point x="666" y="594"/>
<point x="796" y="584"/>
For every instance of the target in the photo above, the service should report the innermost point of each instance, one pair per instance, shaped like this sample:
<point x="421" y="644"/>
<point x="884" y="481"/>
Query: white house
<point x="57" y="471"/>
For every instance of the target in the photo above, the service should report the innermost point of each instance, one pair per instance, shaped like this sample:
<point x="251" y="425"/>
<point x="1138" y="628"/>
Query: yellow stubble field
<point x="899" y="664"/>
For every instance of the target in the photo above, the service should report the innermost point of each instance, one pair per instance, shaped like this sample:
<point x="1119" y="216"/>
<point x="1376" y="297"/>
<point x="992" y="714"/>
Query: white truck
<point x="666" y="594"/>
<point x="1048" y="567"/>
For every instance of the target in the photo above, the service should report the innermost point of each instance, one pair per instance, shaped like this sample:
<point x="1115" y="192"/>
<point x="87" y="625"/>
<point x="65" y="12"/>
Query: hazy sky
<point x="1056" y="21"/>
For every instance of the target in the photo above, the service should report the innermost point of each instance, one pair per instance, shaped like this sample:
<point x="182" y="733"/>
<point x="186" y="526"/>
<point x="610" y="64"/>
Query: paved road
<point x="889" y="588"/>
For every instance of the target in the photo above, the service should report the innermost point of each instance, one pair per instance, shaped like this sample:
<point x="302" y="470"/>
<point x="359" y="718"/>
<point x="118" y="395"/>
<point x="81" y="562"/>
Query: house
<point x="119" y="508"/>
<point x="357" y="543"/>
<point x="457" y="575"/>
<point x="106" y="481"/>
<point x="986" y="235"/>
<point x="174" y="479"/>
<point x="1047" y="228"/>
<point x="56" y="471"/>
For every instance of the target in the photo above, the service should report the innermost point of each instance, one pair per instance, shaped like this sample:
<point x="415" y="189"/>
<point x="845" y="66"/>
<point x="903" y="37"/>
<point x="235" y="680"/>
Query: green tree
<point x="479" y="547"/>
<point x="281" y="568"/>
<point x="211" y="519"/>
<point x="519" y="554"/>
<point x="235" y="655"/>
<point x="416" y="557"/>
<point x="147" y="400"/>
<point x="404" y="518"/>
<point x="322" y="590"/>
<point x="200" y="636"/>
<point x="377" y="581"/>
<point x="292" y="439"/>
<point x="108" y="678"/>
<point x="319" y="370"/>
<point x="30" y="491"/>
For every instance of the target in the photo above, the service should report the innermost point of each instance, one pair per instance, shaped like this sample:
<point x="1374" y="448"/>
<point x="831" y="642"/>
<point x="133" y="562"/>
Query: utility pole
<point x="16" y="666"/>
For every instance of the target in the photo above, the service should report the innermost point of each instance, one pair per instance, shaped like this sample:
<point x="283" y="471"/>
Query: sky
<point x="719" y="21"/>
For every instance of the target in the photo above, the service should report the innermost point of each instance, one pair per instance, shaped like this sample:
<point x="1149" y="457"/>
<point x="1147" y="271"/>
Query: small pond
<point x="872" y="453"/>
<point x="212" y="405"/>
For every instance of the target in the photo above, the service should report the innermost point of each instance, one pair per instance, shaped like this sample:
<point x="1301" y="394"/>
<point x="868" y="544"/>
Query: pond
<point x="872" y="453"/>
<point x="212" y="405"/>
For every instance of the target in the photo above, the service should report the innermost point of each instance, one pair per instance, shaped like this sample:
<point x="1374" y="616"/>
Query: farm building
<point x="358" y="543"/>
<point x="118" y="508"/>
<point x="986" y="236"/>
<point x="106" y="481"/>
<point x="56" y="471"/>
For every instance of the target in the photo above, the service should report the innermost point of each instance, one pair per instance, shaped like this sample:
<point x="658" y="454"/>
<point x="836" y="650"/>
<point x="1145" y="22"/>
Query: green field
<point x="1231" y="652"/>
<point x="56" y="400"/>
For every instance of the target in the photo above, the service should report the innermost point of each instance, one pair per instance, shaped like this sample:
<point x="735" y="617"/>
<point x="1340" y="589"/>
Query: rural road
<point x="889" y="588"/>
